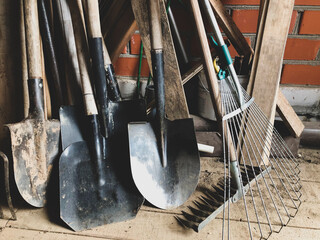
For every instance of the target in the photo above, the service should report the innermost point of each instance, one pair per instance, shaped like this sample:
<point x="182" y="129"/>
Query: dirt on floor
<point x="309" y="155"/>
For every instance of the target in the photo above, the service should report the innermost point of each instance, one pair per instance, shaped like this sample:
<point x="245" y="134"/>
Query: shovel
<point x="164" y="156"/>
<point x="87" y="201"/>
<point x="35" y="140"/>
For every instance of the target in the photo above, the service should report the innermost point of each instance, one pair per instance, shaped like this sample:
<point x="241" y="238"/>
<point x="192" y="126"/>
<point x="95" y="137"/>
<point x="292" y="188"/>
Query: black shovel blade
<point x="165" y="187"/>
<point x="70" y="126"/>
<point x="81" y="206"/>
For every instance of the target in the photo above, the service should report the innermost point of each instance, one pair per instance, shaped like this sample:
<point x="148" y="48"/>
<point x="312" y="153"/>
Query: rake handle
<point x="210" y="73"/>
<point x="226" y="55"/>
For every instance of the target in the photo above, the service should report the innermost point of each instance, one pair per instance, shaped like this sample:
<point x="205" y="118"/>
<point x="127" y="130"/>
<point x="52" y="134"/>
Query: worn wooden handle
<point x="93" y="18"/>
<point x="210" y="73"/>
<point x="32" y="39"/>
<point x="83" y="56"/>
<point x="106" y="56"/>
<point x="155" y="24"/>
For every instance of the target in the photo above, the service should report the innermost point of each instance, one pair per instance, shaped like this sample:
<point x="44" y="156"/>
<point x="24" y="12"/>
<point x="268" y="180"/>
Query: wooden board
<point x="176" y="105"/>
<point x="288" y="115"/>
<point x="230" y="29"/>
<point x="269" y="66"/>
<point x="153" y="223"/>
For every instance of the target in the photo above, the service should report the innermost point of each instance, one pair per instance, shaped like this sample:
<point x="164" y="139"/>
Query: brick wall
<point x="302" y="56"/>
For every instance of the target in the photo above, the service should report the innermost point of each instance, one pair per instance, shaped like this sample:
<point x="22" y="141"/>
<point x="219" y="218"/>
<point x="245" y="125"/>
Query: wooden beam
<point x="288" y="115"/>
<point x="230" y="29"/>
<point x="176" y="105"/>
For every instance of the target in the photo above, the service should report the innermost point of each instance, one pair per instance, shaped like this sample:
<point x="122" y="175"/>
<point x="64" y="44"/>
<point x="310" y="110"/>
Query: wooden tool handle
<point x="83" y="56"/>
<point x="32" y="39"/>
<point x="210" y="73"/>
<point x="93" y="18"/>
<point x="155" y="24"/>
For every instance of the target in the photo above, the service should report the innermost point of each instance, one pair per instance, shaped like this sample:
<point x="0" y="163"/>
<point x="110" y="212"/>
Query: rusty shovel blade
<point x="35" y="145"/>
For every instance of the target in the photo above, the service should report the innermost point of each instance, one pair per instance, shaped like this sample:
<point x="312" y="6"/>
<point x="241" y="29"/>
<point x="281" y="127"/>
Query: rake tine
<point x="192" y="218"/>
<point x="198" y="212"/>
<point x="203" y="207"/>
<point x="186" y="224"/>
<point x="238" y="119"/>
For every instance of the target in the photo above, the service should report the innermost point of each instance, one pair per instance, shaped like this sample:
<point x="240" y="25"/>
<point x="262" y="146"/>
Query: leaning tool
<point x="110" y="194"/>
<point x="267" y="182"/>
<point x="35" y="140"/>
<point x="164" y="156"/>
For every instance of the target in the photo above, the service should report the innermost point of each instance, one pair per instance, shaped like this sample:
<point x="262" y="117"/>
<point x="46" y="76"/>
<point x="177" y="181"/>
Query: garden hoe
<point x="164" y="156"/>
<point x="35" y="140"/>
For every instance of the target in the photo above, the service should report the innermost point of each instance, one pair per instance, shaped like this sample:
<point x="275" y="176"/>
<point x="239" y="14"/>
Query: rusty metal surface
<point x="35" y="145"/>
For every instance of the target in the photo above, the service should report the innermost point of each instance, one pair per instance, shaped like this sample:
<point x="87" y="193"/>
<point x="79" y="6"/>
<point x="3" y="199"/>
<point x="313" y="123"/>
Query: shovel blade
<point x="165" y="187"/>
<point x="81" y="206"/>
<point x="70" y="126"/>
<point x="35" y="146"/>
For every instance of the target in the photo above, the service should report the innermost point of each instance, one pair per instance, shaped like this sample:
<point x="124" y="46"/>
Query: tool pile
<point x="112" y="154"/>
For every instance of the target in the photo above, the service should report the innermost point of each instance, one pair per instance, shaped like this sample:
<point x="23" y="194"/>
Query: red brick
<point x="307" y="2"/>
<point x="246" y="20"/>
<point x="310" y="22"/>
<point x="301" y="49"/>
<point x="293" y="21"/>
<point x="301" y="74"/>
<point x="135" y="43"/>
<point x="241" y="2"/>
<point x="129" y="67"/>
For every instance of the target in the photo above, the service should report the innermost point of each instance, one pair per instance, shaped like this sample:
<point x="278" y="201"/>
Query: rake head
<point x="260" y="174"/>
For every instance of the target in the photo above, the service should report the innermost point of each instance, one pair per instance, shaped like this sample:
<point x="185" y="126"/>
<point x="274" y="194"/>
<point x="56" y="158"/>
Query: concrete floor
<point x="152" y="223"/>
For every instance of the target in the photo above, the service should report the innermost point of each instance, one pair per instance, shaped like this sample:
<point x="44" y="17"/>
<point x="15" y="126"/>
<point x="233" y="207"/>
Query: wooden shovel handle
<point x="83" y="56"/>
<point x="155" y="24"/>
<point x="93" y="20"/>
<point x="32" y="39"/>
<point x="210" y="73"/>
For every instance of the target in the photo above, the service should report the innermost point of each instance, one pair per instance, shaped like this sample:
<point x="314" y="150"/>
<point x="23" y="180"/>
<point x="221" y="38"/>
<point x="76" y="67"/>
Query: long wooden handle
<point x="32" y="39"/>
<point x="93" y="18"/>
<point x="83" y="55"/>
<point x="24" y="62"/>
<point x="210" y="73"/>
<point x="155" y="24"/>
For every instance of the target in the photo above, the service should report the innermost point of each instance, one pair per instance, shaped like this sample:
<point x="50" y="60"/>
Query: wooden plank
<point x="230" y="29"/>
<point x="267" y="66"/>
<point x="198" y="67"/>
<point x="176" y="105"/>
<point x="288" y="115"/>
<point x="274" y="37"/>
